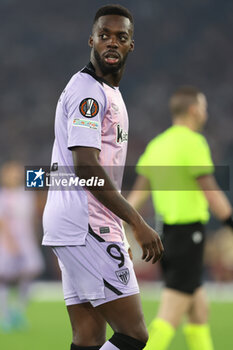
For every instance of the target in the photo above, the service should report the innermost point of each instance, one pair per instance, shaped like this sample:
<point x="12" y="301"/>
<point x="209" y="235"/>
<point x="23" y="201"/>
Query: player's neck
<point x="112" y="78"/>
<point x="186" y="121"/>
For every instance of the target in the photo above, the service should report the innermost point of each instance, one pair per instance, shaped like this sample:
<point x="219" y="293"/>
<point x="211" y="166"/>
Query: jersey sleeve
<point x="199" y="157"/>
<point x="85" y="107"/>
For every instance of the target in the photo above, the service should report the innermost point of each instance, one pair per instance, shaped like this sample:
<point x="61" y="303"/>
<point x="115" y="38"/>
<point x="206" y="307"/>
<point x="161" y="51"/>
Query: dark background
<point x="43" y="43"/>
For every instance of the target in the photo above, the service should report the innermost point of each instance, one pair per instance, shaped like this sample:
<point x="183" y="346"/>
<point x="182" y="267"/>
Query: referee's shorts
<point x="182" y="263"/>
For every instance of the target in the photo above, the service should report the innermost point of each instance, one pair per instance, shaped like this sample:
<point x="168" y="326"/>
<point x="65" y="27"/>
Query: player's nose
<point x="112" y="43"/>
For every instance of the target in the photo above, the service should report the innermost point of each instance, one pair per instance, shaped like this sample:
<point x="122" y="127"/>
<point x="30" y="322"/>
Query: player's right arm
<point x="87" y="165"/>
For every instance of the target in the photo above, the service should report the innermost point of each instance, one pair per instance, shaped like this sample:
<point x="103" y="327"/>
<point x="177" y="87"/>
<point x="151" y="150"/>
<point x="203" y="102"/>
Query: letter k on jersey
<point x="121" y="135"/>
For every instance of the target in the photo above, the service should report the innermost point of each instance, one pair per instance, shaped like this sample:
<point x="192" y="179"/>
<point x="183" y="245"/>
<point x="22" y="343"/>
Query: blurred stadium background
<point x="183" y="42"/>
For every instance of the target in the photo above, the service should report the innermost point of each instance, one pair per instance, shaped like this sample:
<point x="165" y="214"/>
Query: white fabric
<point x="109" y="346"/>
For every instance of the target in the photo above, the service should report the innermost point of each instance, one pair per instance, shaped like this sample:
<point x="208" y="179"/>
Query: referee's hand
<point x="149" y="241"/>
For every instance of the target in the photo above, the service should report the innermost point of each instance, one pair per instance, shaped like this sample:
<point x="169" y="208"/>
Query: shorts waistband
<point x="188" y="226"/>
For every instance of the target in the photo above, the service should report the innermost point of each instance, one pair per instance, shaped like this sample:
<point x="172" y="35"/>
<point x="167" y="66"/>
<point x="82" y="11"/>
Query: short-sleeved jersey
<point x="172" y="161"/>
<point x="89" y="113"/>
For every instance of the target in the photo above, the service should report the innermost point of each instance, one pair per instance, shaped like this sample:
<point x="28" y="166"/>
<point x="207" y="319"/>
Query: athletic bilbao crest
<point x="123" y="275"/>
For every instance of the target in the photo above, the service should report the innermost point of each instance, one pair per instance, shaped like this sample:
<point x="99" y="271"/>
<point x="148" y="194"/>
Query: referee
<point x="177" y="169"/>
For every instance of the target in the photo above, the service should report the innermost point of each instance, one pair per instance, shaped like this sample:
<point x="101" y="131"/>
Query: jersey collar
<point x="89" y="69"/>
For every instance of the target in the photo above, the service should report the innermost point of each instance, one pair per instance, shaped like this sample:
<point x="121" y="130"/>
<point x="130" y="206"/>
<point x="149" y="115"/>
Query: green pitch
<point x="49" y="328"/>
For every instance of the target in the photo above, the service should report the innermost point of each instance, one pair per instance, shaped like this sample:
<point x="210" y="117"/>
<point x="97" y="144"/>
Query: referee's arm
<point x="218" y="203"/>
<point x="140" y="192"/>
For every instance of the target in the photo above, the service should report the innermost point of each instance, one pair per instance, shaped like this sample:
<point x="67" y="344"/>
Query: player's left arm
<point x="218" y="202"/>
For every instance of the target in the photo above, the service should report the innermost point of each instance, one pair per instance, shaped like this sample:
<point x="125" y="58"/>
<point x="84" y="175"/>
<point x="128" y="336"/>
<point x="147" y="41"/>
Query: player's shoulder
<point x="196" y="138"/>
<point x="83" y="86"/>
<point x="157" y="138"/>
<point x="150" y="147"/>
<point x="193" y="143"/>
<point x="84" y="82"/>
<point x="185" y="135"/>
<point x="175" y="135"/>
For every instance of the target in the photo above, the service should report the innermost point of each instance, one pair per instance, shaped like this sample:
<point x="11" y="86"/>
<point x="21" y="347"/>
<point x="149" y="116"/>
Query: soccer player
<point x="20" y="257"/>
<point x="84" y="226"/>
<point x="177" y="169"/>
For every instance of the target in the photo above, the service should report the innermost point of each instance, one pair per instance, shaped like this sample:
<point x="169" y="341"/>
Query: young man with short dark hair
<point x="84" y="226"/>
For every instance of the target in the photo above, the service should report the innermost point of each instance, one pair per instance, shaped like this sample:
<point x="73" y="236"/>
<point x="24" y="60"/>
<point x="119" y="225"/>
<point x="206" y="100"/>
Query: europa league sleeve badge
<point x="89" y="107"/>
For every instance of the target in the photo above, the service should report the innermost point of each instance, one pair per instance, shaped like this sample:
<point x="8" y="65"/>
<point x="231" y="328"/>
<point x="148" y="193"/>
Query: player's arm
<point x="218" y="203"/>
<point x="8" y="238"/>
<point x="140" y="192"/>
<point x="87" y="165"/>
<point x="4" y="228"/>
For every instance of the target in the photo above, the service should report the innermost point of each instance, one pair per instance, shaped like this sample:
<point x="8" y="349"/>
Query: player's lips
<point x="111" y="57"/>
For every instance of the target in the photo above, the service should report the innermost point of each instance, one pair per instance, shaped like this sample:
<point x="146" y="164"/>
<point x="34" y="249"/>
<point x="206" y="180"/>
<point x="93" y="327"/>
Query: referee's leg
<point x="197" y="331"/>
<point x="199" y="310"/>
<point x="174" y="304"/>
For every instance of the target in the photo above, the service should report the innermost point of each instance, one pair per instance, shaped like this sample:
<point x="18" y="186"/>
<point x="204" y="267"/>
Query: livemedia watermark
<point x="162" y="178"/>
<point x="43" y="178"/>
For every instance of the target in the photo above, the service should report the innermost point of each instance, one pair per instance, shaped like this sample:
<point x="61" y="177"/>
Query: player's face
<point x="111" y="42"/>
<point x="12" y="174"/>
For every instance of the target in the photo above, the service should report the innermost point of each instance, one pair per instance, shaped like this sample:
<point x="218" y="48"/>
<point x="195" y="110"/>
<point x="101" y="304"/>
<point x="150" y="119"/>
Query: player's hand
<point x="149" y="241"/>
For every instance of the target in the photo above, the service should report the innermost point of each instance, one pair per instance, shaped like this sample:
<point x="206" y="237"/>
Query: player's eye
<point x="123" y="38"/>
<point x="104" y="36"/>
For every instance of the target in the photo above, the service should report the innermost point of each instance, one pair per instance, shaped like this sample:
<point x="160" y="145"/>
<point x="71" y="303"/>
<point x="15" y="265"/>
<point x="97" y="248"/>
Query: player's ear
<point x="90" y="41"/>
<point x="131" y="46"/>
<point x="192" y="109"/>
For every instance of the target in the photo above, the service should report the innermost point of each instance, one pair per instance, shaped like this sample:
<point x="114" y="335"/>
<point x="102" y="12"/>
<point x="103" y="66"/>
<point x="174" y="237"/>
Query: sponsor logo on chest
<point x="122" y="136"/>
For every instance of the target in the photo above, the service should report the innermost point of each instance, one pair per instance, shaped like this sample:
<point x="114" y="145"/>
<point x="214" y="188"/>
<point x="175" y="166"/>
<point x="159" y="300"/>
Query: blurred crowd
<point x="176" y="43"/>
